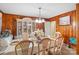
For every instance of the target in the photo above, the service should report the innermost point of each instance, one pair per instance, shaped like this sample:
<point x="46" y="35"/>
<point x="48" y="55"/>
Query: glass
<point x="19" y="28"/>
<point x="24" y="26"/>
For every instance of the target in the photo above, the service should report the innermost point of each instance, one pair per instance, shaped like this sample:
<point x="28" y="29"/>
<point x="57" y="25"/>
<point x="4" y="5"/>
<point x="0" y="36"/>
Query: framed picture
<point x="64" y="20"/>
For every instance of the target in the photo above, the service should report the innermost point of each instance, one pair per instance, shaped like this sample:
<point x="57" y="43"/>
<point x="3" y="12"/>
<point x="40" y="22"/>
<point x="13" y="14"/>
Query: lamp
<point x="40" y="20"/>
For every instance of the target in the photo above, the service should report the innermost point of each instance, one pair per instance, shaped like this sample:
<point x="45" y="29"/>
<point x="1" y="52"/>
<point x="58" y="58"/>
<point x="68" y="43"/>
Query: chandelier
<point x="39" y="20"/>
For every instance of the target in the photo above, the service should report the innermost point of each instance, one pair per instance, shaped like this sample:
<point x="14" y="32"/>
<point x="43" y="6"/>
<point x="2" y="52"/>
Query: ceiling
<point x="31" y="9"/>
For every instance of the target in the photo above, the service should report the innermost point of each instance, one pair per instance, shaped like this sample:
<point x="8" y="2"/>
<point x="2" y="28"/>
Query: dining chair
<point x="24" y="47"/>
<point x="44" y="46"/>
<point x="52" y="47"/>
<point x="58" y="45"/>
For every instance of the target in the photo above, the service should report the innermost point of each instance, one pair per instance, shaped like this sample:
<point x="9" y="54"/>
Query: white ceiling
<point x="31" y="9"/>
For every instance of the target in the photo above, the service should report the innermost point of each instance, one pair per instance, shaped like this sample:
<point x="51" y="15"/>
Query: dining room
<point x="39" y="29"/>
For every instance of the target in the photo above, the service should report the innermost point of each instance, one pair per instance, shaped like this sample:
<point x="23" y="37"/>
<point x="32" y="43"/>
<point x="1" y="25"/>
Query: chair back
<point x="52" y="47"/>
<point x="58" y="45"/>
<point x="44" y="45"/>
<point x="57" y="35"/>
<point x="24" y="47"/>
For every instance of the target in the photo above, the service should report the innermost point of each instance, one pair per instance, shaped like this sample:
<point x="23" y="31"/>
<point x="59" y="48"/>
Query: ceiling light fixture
<point x="40" y="20"/>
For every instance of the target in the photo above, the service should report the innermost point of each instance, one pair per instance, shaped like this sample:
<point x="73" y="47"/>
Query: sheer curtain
<point x="50" y="28"/>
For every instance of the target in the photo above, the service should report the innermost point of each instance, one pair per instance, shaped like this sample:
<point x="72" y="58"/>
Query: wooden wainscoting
<point x="67" y="31"/>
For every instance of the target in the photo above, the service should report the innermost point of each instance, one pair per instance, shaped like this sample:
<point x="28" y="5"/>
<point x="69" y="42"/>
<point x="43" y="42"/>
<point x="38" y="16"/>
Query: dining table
<point x="10" y="50"/>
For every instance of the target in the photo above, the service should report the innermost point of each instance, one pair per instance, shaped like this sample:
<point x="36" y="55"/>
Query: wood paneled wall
<point x="9" y="21"/>
<point x="77" y="27"/>
<point x="67" y="31"/>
